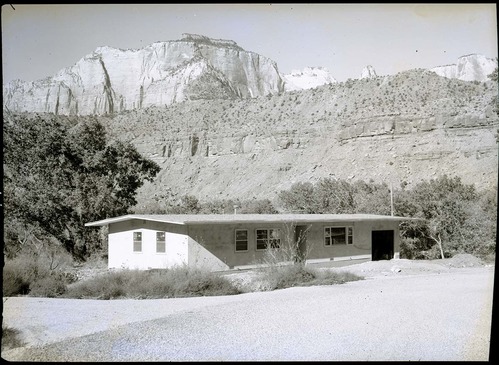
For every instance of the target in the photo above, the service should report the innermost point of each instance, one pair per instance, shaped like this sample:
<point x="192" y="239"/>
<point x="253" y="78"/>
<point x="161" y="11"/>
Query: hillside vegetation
<point x="410" y="94"/>
<point x="401" y="129"/>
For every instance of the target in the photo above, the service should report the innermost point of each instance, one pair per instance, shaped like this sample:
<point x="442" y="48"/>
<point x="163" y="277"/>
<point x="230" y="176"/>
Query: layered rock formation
<point x="472" y="67"/>
<point x="309" y="78"/>
<point x="396" y="129"/>
<point x="112" y="80"/>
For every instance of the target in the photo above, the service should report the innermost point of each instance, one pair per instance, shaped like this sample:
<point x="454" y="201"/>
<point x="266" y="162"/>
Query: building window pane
<point x="274" y="238"/>
<point x="338" y="235"/>
<point x="160" y="242"/>
<point x="241" y="240"/>
<point x="268" y="238"/>
<point x="261" y="239"/>
<point x="137" y="241"/>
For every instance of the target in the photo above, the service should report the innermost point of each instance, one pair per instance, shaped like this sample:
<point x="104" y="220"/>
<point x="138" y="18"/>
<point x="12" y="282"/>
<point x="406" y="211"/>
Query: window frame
<point x="135" y="241"/>
<point x="236" y="240"/>
<point x="350" y="239"/>
<point x="348" y="234"/>
<point x="163" y="241"/>
<point x="268" y="238"/>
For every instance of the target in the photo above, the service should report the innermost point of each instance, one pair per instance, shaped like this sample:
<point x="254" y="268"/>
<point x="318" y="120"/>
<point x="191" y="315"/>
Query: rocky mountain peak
<point x="368" y="72"/>
<point x="308" y="78"/>
<point x="471" y="67"/>
<point x="201" y="39"/>
<point x="112" y="80"/>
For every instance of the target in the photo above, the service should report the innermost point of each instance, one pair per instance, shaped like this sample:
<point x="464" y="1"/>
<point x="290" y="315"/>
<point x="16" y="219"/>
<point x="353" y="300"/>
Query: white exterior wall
<point x="121" y="254"/>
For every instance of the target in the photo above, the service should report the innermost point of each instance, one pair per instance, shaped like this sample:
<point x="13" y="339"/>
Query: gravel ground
<point x="441" y="311"/>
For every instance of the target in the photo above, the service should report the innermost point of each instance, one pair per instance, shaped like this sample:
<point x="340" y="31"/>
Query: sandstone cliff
<point x="368" y="72"/>
<point x="309" y="78"/>
<point x="113" y="80"/>
<point x="472" y="67"/>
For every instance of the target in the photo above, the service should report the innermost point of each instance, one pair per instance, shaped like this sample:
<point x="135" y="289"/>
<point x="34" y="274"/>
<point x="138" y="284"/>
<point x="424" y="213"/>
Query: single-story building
<point x="236" y="241"/>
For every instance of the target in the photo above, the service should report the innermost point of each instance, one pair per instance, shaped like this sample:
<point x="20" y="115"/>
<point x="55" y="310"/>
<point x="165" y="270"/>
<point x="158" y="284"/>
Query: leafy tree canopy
<point x="60" y="173"/>
<point x="455" y="217"/>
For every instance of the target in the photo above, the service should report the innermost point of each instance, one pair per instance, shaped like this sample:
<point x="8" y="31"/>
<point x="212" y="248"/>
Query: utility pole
<point x="391" y="198"/>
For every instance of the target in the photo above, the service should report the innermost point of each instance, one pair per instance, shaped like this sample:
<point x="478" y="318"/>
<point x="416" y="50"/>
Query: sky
<point x="40" y="40"/>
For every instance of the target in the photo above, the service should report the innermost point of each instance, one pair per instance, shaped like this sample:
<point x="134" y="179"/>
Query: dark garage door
<point x="382" y="245"/>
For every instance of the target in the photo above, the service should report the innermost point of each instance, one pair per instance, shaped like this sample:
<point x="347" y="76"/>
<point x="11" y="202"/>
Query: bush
<point x="176" y="282"/>
<point x="31" y="274"/>
<point x="14" y="280"/>
<point x="196" y="282"/>
<point x="50" y="286"/>
<point x="11" y="338"/>
<point x="20" y="273"/>
<point x="286" y="276"/>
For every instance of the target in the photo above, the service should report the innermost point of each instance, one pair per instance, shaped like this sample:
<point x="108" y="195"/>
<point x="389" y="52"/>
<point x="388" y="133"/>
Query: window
<point x="160" y="242"/>
<point x="338" y="236"/>
<point x="137" y="241"/>
<point x="349" y="235"/>
<point x="267" y="237"/>
<point x="241" y="240"/>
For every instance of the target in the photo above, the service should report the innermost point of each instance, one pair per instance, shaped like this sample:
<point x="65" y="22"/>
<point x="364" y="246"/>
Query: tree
<point x="335" y="196"/>
<point x="448" y="207"/>
<point x="258" y="206"/>
<point x="291" y="249"/>
<point x="371" y="198"/>
<point x="188" y="204"/>
<point x="326" y="196"/>
<point x="61" y="173"/>
<point x="300" y="198"/>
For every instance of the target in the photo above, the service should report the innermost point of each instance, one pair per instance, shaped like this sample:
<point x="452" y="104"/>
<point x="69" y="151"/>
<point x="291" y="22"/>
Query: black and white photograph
<point x="249" y="182"/>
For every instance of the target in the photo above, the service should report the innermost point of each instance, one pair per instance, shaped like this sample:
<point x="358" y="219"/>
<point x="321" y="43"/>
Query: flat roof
<point x="191" y="219"/>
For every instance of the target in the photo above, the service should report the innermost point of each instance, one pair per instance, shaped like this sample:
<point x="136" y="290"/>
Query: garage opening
<point x="382" y="245"/>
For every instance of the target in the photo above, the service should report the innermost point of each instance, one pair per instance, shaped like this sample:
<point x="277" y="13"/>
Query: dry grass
<point x="286" y="276"/>
<point x="11" y="338"/>
<point x="167" y="283"/>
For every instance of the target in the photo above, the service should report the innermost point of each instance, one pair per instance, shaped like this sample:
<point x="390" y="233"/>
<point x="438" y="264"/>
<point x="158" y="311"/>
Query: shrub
<point x="14" y="280"/>
<point x="19" y="274"/>
<point x="31" y="273"/>
<point x="11" y="338"/>
<point x="176" y="282"/>
<point x="50" y="286"/>
<point x="196" y="282"/>
<point x="285" y="266"/>
<point x="286" y="276"/>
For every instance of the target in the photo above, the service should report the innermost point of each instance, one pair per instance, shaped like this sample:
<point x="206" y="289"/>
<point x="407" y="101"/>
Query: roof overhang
<point x="196" y="219"/>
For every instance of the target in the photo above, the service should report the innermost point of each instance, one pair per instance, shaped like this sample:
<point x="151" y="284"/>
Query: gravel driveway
<point x="431" y="316"/>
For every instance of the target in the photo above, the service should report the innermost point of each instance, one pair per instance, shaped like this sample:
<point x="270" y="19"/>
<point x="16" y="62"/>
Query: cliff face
<point x="113" y="80"/>
<point x="309" y="78"/>
<point x="368" y="72"/>
<point x="471" y="67"/>
<point x="405" y="128"/>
